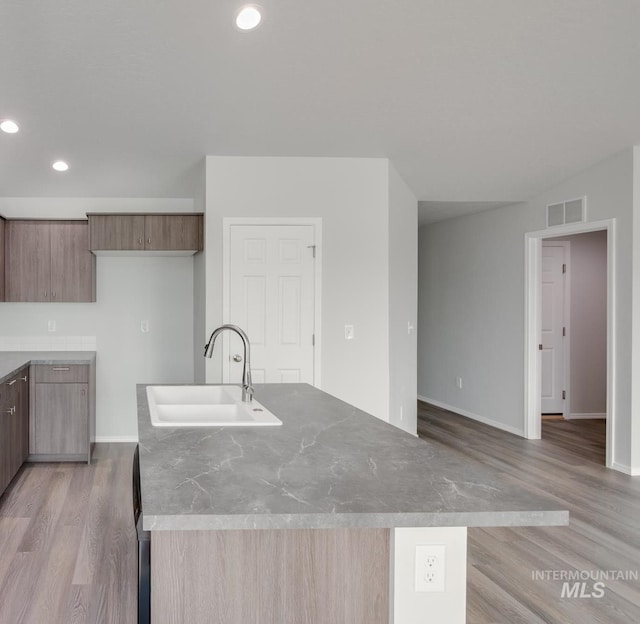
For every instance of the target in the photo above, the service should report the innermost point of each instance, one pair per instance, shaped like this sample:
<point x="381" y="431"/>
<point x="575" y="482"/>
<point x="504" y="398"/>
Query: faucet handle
<point x="237" y="358"/>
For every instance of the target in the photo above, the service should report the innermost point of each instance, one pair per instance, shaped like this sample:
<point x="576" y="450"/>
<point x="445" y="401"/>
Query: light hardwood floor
<point x="603" y="534"/>
<point x="67" y="543"/>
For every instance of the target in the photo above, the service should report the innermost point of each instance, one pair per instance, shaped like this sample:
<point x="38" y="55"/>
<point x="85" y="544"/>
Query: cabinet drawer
<point x="61" y="373"/>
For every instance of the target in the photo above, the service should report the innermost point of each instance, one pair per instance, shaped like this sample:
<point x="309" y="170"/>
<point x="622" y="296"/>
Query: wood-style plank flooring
<point x="603" y="534"/>
<point x="68" y="550"/>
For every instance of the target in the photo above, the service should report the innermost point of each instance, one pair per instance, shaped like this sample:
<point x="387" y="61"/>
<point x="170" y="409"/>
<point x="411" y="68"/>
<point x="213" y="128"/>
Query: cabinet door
<point x="172" y="232"/>
<point x="116" y="232"/>
<point x="11" y="429"/>
<point x="22" y="407"/>
<point x="5" y="438"/>
<point x="61" y="418"/>
<point x="72" y="264"/>
<point x="28" y="261"/>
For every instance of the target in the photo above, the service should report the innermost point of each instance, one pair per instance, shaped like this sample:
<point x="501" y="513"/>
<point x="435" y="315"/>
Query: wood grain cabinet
<point x="63" y="415"/>
<point x="145" y="232"/>
<point x="14" y="426"/>
<point x="48" y="261"/>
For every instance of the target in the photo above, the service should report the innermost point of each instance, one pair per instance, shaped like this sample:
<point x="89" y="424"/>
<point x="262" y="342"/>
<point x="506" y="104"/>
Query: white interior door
<point x="271" y="296"/>
<point x="552" y="325"/>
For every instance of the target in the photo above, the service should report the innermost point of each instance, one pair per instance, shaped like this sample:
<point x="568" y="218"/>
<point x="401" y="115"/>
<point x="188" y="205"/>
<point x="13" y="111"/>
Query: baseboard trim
<point x="585" y="416"/>
<point x="628" y="470"/>
<point x="116" y="439"/>
<point x="472" y="416"/>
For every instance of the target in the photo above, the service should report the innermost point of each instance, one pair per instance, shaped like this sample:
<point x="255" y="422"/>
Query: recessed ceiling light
<point x="60" y="165"/>
<point x="8" y="126"/>
<point x="248" y="17"/>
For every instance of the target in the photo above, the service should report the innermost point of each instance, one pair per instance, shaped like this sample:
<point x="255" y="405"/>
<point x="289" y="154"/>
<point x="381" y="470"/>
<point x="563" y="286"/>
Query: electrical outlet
<point x="349" y="332"/>
<point x="459" y="383"/>
<point x="144" y="327"/>
<point x="51" y="326"/>
<point x="430" y="568"/>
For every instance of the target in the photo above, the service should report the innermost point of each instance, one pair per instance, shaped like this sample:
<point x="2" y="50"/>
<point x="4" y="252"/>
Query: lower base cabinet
<point x="14" y="425"/>
<point x="47" y="413"/>
<point x="62" y="413"/>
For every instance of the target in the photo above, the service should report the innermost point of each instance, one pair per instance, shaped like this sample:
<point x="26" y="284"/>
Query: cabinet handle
<point x="11" y="410"/>
<point x="149" y="240"/>
<point x="60" y="368"/>
<point x="24" y="378"/>
<point x="140" y="241"/>
<point x="45" y="294"/>
<point x="10" y="383"/>
<point x="53" y="294"/>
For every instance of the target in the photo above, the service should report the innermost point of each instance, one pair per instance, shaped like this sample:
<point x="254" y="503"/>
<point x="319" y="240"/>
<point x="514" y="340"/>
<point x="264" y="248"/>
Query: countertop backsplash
<point x="47" y="343"/>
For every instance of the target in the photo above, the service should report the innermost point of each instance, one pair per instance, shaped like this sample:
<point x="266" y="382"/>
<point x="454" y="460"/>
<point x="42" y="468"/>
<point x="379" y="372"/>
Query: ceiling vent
<point x="570" y="211"/>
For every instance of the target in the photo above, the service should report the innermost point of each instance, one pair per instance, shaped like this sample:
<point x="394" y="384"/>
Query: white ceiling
<point x="473" y="101"/>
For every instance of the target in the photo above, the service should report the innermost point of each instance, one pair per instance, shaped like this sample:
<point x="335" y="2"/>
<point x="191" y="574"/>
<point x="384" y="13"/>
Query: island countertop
<point x="329" y="465"/>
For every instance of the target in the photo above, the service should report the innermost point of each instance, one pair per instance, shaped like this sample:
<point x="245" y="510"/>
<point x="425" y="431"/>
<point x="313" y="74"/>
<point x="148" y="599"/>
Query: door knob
<point x="237" y="358"/>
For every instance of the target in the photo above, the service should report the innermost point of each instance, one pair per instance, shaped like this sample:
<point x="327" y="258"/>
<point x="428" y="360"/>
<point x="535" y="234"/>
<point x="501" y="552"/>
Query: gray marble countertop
<point x="329" y="465"/>
<point x="12" y="361"/>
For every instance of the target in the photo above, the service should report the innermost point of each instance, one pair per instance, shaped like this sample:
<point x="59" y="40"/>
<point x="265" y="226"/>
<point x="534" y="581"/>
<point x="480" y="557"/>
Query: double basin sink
<point x="205" y="406"/>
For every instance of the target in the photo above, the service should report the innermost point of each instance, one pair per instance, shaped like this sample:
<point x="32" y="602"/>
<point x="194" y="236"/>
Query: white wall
<point x="129" y="289"/>
<point x="471" y="315"/>
<point x="403" y="303"/>
<point x="351" y="196"/>
<point x="200" y="282"/>
<point x="471" y="301"/>
<point x="634" y="432"/>
<point x="609" y="190"/>
<point x="77" y="207"/>
<point x="587" y="322"/>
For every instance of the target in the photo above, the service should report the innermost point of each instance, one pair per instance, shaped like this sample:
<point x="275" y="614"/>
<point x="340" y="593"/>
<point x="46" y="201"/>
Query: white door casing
<point x="271" y="292"/>
<point x="553" y="323"/>
<point x="532" y="313"/>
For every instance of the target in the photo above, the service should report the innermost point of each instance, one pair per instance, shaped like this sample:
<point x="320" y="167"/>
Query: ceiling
<point x="474" y="102"/>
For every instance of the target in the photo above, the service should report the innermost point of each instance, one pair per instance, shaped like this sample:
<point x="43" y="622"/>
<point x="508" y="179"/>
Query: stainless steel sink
<point x="205" y="406"/>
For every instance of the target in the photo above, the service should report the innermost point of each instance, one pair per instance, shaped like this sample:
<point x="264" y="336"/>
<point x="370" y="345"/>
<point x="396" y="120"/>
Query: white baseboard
<point x="584" y="416"/>
<point x="467" y="414"/>
<point x="628" y="470"/>
<point x="116" y="439"/>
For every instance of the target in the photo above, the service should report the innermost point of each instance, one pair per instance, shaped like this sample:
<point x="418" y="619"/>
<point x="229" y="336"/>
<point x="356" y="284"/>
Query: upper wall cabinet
<point x="174" y="233"/>
<point x="49" y="261"/>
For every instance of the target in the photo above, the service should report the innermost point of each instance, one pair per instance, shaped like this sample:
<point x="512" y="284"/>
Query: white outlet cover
<point x="349" y="332"/>
<point x="430" y="568"/>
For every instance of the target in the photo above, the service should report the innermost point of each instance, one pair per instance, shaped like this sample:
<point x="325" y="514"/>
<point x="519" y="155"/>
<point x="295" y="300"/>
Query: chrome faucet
<point x="247" y="388"/>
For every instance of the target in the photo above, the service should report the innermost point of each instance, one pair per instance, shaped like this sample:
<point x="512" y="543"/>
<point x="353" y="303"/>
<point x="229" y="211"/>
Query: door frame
<point x="566" y="321"/>
<point x="316" y="223"/>
<point x="532" y="319"/>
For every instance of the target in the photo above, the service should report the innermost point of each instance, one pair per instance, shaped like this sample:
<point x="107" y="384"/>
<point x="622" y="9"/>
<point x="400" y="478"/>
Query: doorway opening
<point x="569" y="326"/>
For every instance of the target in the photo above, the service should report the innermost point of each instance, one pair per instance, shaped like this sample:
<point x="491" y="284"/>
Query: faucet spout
<point x="247" y="388"/>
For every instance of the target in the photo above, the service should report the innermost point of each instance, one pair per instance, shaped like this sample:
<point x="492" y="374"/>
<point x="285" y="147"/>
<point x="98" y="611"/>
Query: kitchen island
<point x="298" y="523"/>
